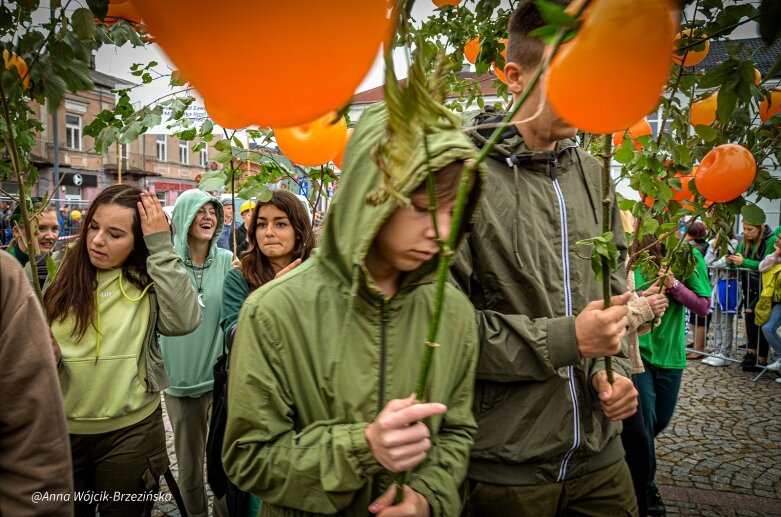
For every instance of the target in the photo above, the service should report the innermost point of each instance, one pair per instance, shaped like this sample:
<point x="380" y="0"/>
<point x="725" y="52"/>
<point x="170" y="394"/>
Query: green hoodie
<point x="189" y="359"/>
<point x="320" y="351"/>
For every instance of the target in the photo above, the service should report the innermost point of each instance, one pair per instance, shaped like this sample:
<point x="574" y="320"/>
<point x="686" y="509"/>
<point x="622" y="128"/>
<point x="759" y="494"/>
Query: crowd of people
<point x="321" y="347"/>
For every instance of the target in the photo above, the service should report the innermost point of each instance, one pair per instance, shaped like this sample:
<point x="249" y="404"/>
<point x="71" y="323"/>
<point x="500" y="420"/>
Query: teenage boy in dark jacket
<point x="549" y="422"/>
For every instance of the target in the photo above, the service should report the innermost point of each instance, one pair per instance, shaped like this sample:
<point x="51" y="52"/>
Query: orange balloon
<point x="443" y="3"/>
<point x="472" y="49"/>
<point x="693" y="57"/>
<point x="703" y="111"/>
<point x="499" y="73"/>
<point x="613" y="72"/>
<point x="225" y="118"/>
<point x="725" y="173"/>
<point x="638" y="129"/>
<point x="286" y="78"/>
<point x="757" y="77"/>
<point x="339" y="157"/>
<point x="684" y="196"/>
<point x="768" y="109"/>
<point x="313" y="143"/>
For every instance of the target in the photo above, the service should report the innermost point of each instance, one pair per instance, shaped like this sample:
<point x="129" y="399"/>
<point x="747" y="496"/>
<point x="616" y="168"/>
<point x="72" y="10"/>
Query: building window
<point x="184" y="152"/>
<point x="204" y="154"/>
<point x="123" y="150"/>
<point x="73" y="131"/>
<point x="162" y="151"/>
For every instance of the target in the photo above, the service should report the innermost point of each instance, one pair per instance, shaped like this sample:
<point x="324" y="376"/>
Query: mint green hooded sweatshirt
<point x="189" y="359"/>
<point x="320" y="351"/>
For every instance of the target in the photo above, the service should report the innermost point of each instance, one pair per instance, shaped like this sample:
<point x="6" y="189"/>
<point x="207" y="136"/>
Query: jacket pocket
<point x="79" y="378"/>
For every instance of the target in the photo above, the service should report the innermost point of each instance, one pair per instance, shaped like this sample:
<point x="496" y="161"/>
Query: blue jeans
<point x="770" y="328"/>
<point x="658" y="389"/>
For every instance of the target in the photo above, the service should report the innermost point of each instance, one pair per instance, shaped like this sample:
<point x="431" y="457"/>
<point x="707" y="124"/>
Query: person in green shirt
<point x="664" y="350"/>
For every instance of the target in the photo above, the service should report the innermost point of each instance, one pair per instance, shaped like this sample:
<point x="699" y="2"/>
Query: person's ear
<point x="516" y="80"/>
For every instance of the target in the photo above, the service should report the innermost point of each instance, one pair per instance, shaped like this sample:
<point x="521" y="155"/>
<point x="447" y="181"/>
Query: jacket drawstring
<point x="98" y="330"/>
<point x="588" y="189"/>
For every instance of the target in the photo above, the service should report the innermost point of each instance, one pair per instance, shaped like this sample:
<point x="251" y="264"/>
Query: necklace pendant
<point x="200" y="300"/>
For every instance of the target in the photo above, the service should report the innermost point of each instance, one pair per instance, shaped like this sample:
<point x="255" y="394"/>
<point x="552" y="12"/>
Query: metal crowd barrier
<point x="731" y="290"/>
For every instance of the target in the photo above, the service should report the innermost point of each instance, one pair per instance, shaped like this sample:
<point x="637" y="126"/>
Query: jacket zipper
<point x="383" y="353"/>
<point x="568" y="312"/>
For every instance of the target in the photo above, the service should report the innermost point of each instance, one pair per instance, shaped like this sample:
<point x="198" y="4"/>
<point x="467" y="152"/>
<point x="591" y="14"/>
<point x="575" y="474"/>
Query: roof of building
<point x="753" y="48"/>
<point x="109" y="81"/>
<point x="377" y="94"/>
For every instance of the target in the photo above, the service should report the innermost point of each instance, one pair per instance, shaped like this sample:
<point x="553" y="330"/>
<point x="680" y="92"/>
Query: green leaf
<point x="726" y="104"/>
<point x="83" y="22"/>
<point x="717" y="75"/>
<point x="775" y="69"/>
<point x="206" y="128"/>
<point x="222" y="146"/>
<point x="99" y="8"/>
<point x="132" y="131"/>
<point x="648" y="226"/>
<point x="753" y="213"/>
<point x="30" y="5"/>
<point x="188" y="134"/>
<point x="554" y="14"/>
<point x="212" y="183"/>
<point x="707" y="133"/>
<point x="51" y="268"/>
<point x="769" y="21"/>
<point x="624" y="153"/>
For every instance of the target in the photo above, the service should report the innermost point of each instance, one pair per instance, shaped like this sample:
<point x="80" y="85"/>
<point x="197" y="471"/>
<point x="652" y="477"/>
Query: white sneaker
<point x="719" y="361"/>
<point x="778" y="380"/>
<point x="708" y="360"/>
<point x="775" y="366"/>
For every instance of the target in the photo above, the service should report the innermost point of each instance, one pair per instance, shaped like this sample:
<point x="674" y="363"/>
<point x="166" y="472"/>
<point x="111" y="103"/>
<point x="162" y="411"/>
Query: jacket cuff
<point x="159" y="241"/>
<point x="362" y="452"/>
<point x="562" y="344"/>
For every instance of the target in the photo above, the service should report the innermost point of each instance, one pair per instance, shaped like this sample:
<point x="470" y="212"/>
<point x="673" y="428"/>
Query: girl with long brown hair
<point x="118" y="286"/>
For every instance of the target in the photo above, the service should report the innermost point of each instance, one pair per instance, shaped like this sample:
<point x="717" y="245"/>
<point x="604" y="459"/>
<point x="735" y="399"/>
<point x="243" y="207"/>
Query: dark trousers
<point x="635" y="442"/>
<point x="115" y="465"/>
<point x="658" y="389"/>
<point x="607" y="491"/>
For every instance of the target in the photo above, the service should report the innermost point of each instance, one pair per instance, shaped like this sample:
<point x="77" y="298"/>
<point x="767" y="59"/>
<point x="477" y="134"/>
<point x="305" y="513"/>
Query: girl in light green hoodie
<point x="118" y="286"/>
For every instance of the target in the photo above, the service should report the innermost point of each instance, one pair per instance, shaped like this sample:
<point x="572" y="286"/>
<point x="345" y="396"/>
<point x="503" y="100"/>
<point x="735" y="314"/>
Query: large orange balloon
<point x="225" y="118"/>
<point x="638" y="129"/>
<point x="725" y="173"/>
<point x="693" y="57"/>
<point x="768" y="109"/>
<point x="313" y="143"/>
<point x="293" y="60"/>
<point x="613" y="72"/>
<point x="703" y="111"/>
<point x="443" y="3"/>
<point x="472" y="49"/>
<point x="339" y="157"/>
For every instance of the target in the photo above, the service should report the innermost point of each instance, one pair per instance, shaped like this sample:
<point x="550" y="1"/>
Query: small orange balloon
<point x="443" y="3"/>
<point x="617" y="35"/>
<point x="499" y="73"/>
<point x="225" y="118"/>
<point x="472" y="49"/>
<point x="314" y="143"/>
<point x="769" y="108"/>
<point x="638" y="129"/>
<point x="757" y="77"/>
<point x="725" y="173"/>
<point x="693" y="57"/>
<point x="703" y="111"/>
<point x="684" y="196"/>
<point x="339" y="157"/>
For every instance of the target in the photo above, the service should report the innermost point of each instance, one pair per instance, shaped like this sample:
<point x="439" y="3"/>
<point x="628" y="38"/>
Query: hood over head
<point x="353" y="220"/>
<point x="185" y="210"/>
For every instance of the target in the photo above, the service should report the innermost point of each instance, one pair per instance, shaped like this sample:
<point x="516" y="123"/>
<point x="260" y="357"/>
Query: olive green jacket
<point x="320" y="351"/>
<point x="539" y="418"/>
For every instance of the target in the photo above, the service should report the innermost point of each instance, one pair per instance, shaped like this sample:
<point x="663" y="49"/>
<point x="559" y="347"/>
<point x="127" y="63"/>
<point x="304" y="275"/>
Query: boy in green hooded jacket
<point x="325" y="358"/>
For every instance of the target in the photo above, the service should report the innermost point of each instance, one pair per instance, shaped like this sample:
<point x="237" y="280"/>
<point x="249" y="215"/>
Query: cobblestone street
<point x="719" y="457"/>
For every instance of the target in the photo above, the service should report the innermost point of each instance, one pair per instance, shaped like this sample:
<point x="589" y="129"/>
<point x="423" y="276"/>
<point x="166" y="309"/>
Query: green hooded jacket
<point x="320" y="351"/>
<point x="540" y="421"/>
<point x="189" y="359"/>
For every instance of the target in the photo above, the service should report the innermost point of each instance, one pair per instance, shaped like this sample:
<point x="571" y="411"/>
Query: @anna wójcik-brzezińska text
<point x="90" y="497"/>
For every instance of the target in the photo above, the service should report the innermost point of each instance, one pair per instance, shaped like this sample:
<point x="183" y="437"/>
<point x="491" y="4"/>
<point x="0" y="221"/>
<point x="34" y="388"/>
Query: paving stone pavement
<point x="720" y="456"/>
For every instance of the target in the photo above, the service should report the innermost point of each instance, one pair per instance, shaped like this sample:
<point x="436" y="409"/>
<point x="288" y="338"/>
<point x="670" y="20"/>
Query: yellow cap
<point x="75" y="215"/>
<point x="247" y="205"/>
